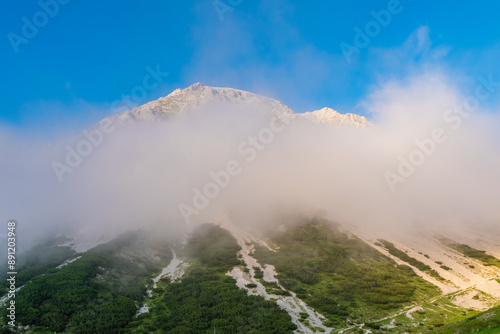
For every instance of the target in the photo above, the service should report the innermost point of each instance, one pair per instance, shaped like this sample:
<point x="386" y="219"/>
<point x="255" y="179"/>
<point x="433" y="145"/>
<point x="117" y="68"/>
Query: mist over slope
<point x="202" y="152"/>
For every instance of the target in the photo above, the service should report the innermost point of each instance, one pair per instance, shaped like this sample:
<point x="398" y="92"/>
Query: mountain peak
<point x="331" y="116"/>
<point x="192" y="88"/>
<point x="196" y="86"/>
<point x="327" y="110"/>
<point x="196" y="96"/>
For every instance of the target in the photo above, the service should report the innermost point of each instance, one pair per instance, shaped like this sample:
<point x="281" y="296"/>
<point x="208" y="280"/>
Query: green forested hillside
<point x="97" y="293"/>
<point x="353" y="285"/>
<point x="102" y="291"/>
<point x="37" y="260"/>
<point x="341" y="276"/>
<point x="207" y="299"/>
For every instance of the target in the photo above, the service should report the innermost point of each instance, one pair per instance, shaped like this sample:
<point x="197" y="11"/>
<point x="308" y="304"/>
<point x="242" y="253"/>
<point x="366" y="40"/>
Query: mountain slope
<point x="309" y="276"/>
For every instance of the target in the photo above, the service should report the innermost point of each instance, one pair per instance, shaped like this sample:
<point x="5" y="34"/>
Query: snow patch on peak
<point x="198" y="96"/>
<point x="174" y="93"/>
<point x="196" y="86"/>
<point x="195" y="97"/>
<point x="331" y="116"/>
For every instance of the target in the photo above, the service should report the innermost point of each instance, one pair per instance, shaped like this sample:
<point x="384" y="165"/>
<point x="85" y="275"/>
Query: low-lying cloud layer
<point x="156" y="174"/>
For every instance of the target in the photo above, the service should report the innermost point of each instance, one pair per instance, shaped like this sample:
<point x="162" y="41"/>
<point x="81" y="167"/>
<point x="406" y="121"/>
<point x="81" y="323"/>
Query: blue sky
<point x="90" y="53"/>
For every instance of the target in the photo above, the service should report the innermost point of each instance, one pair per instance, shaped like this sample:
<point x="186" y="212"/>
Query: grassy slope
<point x="485" y="322"/>
<point x="342" y="277"/>
<point x="433" y="314"/>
